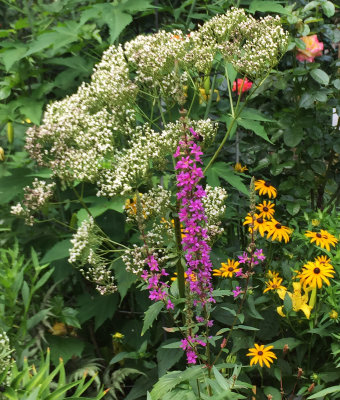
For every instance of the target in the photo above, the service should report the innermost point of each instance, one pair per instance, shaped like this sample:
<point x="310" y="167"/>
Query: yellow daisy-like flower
<point x="276" y="231"/>
<point x="238" y="167"/>
<point x="131" y="206"/>
<point x="228" y="269"/>
<point x="274" y="284"/>
<point x="333" y="314"/>
<point x="322" y="239"/>
<point x="258" y="223"/>
<point x="266" y="209"/>
<point x="324" y="260"/>
<point x="272" y="274"/>
<point x="266" y="188"/>
<point x="262" y="355"/>
<point x="314" y="274"/>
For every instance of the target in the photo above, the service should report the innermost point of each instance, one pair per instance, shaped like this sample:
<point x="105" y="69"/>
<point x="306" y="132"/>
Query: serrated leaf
<point x="151" y="314"/>
<point x="320" y="76"/>
<point x="254" y="126"/>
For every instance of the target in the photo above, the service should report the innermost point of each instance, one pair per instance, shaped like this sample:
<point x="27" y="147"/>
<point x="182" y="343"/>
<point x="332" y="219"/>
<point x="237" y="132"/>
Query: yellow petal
<point x="279" y="311"/>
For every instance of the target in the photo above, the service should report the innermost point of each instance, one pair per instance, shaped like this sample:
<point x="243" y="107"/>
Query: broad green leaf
<point x="166" y="358"/>
<point x="124" y="278"/>
<point x="310" y="5"/>
<point x="293" y="208"/>
<point x="320" y="76"/>
<point x="12" y="55"/>
<point x="254" y="115"/>
<point x="151" y="314"/>
<point x="325" y="392"/>
<point x="65" y="348"/>
<point x="276" y="395"/>
<point x="32" y="109"/>
<point x="224" y="171"/>
<point x="169" y="381"/>
<point x="267" y="6"/>
<point x="254" y="126"/>
<point x="11" y="186"/>
<point x="293" y="136"/>
<point x="58" y="251"/>
<point x="328" y="8"/>
<point x="291" y="342"/>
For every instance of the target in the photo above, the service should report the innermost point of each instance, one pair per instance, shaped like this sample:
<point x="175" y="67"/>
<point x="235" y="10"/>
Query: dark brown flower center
<point x="268" y="184"/>
<point x="265" y="209"/>
<point x="318" y="235"/>
<point x="260" y="353"/>
<point x="274" y="286"/>
<point x="230" y="269"/>
<point x="259" y="220"/>
<point x="316" y="270"/>
<point x="278" y="226"/>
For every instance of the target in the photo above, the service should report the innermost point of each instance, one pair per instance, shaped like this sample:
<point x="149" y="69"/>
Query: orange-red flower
<point x="243" y="84"/>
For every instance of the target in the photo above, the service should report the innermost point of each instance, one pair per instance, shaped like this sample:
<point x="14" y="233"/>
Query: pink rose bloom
<point x="313" y="49"/>
<point x="246" y="85"/>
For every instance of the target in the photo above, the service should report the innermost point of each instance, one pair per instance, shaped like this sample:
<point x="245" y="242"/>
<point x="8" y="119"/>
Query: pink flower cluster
<point x="254" y="260"/>
<point x="313" y="49"/>
<point x="157" y="288"/>
<point x="192" y="216"/>
<point x="189" y="346"/>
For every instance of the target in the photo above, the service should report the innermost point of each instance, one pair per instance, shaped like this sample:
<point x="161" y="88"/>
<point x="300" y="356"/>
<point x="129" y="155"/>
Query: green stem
<point x="179" y="266"/>
<point x="211" y="96"/>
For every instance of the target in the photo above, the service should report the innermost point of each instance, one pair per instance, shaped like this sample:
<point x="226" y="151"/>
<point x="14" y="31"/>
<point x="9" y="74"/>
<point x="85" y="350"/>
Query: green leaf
<point x="328" y="8"/>
<point x="254" y="115"/>
<point x="224" y="171"/>
<point x="31" y="109"/>
<point x="276" y="395"/>
<point x="12" y="55"/>
<point x="254" y="126"/>
<point x="65" y="347"/>
<point x="293" y="208"/>
<point x="320" y="76"/>
<point x="124" y="278"/>
<point x="291" y="342"/>
<point x="288" y="304"/>
<point x="25" y="293"/>
<point x="230" y="72"/>
<point x="293" y="136"/>
<point x="43" y="279"/>
<point x="220" y="379"/>
<point x="5" y="92"/>
<point x="151" y="314"/>
<point x="11" y="186"/>
<point x="38" y="317"/>
<point x="267" y="6"/>
<point x="169" y="381"/>
<point x="166" y="358"/>
<point x="325" y="392"/>
<point x="58" y="251"/>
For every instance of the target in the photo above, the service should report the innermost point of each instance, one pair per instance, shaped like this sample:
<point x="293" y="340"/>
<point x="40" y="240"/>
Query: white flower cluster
<point x="95" y="135"/>
<point x="131" y="166"/>
<point x="214" y="207"/>
<point x="81" y="132"/>
<point x="5" y="356"/>
<point x="85" y="243"/>
<point x="253" y="46"/>
<point x="35" y="198"/>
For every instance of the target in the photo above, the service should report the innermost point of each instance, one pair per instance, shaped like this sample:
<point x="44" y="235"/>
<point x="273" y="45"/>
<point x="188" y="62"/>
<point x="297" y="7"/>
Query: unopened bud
<point x="224" y="343"/>
<point x="269" y="396"/>
<point x="10" y="132"/>
<point x="2" y="154"/>
<point x="285" y="349"/>
<point x="311" y="388"/>
<point x="300" y="373"/>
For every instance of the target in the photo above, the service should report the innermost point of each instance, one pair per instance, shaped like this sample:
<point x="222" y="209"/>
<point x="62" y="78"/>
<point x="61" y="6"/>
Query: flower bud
<point x="224" y="342"/>
<point x="311" y="388"/>
<point x="300" y="373"/>
<point x="285" y="349"/>
<point x="2" y="154"/>
<point x="10" y="132"/>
